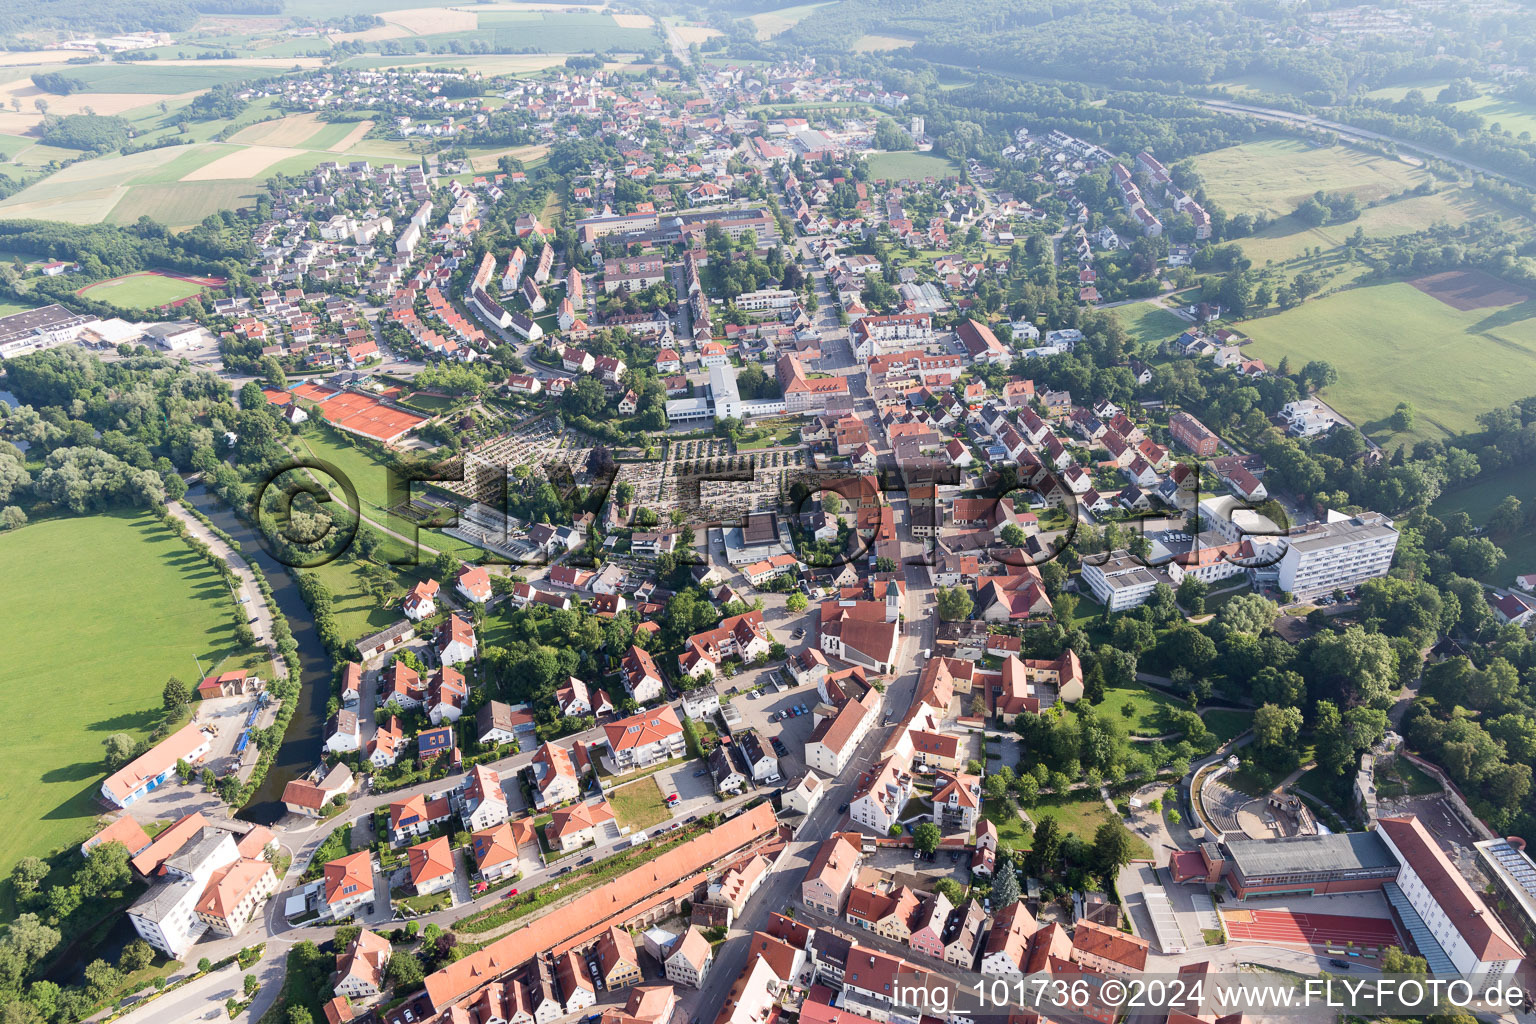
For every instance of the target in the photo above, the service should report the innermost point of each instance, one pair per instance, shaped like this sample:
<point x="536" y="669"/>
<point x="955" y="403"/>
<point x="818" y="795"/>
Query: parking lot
<point x="757" y="710"/>
<point x="696" y="793"/>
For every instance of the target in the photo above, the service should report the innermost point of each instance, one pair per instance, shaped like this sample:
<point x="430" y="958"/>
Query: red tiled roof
<point x="597" y="905"/>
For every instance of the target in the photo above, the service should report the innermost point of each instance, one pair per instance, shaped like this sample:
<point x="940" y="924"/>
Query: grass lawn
<point x="1226" y="725"/>
<point x="639" y="804"/>
<point x="100" y="645"/>
<point x="1081" y="814"/>
<point x="1404" y="777"/>
<point x="1146" y="705"/>
<point x="1272" y="176"/>
<point x="911" y="165"/>
<point x="1287" y="238"/>
<point x="1478" y="498"/>
<point x="1512" y="115"/>
<point x="368" y="475"/>
<point x="1149" y="321"/>
<point x="141" y="291"/>
<point x="1010" y="830"/>
<point x="1390" y="341"/>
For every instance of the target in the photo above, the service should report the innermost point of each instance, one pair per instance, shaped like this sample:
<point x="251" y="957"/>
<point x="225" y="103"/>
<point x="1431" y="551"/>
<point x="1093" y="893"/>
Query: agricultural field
<point x="549" y="32"/>
<point x="156" y="77"/>
<point x="690" y="33"/>
<point x="771" y="23"/>
<point x="881" y="44"/>
<point x="910" y="165"/>
<point x="1149" y="322"/>
<point x="115" y="663"/>
<point x="1393" y="341"/>
<point x="490" y="64"/>
<point x="144" y="290"/>
<point x="1274" y="175"/>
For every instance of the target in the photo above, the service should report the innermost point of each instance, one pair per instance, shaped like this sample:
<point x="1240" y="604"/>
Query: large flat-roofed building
<point x="755" y="540"/>
<point x="1338" y="554"/>
<point x="1299" y="865"/>
<point x="33" y="330"/>
<point x="1124" y="581"/>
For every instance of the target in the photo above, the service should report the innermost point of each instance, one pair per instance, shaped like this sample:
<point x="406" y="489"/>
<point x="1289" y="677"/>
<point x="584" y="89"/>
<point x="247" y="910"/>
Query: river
<point x="301" y="743"/>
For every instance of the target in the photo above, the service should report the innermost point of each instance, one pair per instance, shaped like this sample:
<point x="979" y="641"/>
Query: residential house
<point x="830" y="875"/>
<point x="360" y="972"/>
<point x="484" y="803"/>
<point x="430" y="865"/>
<point x="690" y="958"/>
<point x="641" y="677"/>
<point x="578" y="825"/>
<point x="644" y="739"/>
<point x="348" y="884"/>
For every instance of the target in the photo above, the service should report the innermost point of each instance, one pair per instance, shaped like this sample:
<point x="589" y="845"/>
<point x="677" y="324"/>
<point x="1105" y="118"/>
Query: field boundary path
<point x="251" y="594"/>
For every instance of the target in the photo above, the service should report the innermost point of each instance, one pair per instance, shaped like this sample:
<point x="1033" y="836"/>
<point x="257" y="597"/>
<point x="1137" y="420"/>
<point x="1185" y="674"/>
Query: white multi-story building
<point x="166" y="916"/>
<point x="882" y="795"/>
<point x="1337" y="554"/>
<point x="765" y="298"/>
<point x="1124" y="581"/>
<point x="1467" y="931"/>
<point x="836" y="737"/>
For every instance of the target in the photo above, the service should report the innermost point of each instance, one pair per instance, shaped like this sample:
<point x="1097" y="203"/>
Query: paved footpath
<point x="254" y="601"/>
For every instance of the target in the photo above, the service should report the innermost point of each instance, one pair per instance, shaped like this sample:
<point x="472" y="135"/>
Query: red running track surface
<point x="1283" y="926"/>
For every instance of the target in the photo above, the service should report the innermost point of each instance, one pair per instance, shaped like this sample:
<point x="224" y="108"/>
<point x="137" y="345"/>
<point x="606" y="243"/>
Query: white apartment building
<point x="765" y="299"/>
<point x="1338" y="554"/>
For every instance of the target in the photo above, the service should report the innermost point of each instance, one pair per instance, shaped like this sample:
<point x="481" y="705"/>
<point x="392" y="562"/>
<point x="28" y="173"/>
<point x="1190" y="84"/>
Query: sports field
<point x="85" y="653"/>
<point x="144" y="290"/>
<point x="1391" y="340"/>
<point x="1273" y="175"/>
<point x="910" y="165"/>
<point x="370" y="478"/>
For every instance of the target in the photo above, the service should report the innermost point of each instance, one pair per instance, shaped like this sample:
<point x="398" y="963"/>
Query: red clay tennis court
<point x="361" y="414"/>
<point x="1283" y="926"/>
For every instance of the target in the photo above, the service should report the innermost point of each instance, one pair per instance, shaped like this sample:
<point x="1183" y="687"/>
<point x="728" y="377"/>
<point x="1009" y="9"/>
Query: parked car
<point x="585" y="860"/>
<point x="842" y="808"/>
<point x="1340" y="964"/>
<point x="700" y="773"/>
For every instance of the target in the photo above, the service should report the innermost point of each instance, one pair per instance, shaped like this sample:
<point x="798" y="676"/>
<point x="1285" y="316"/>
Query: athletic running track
<point x="1282" y="926"/>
